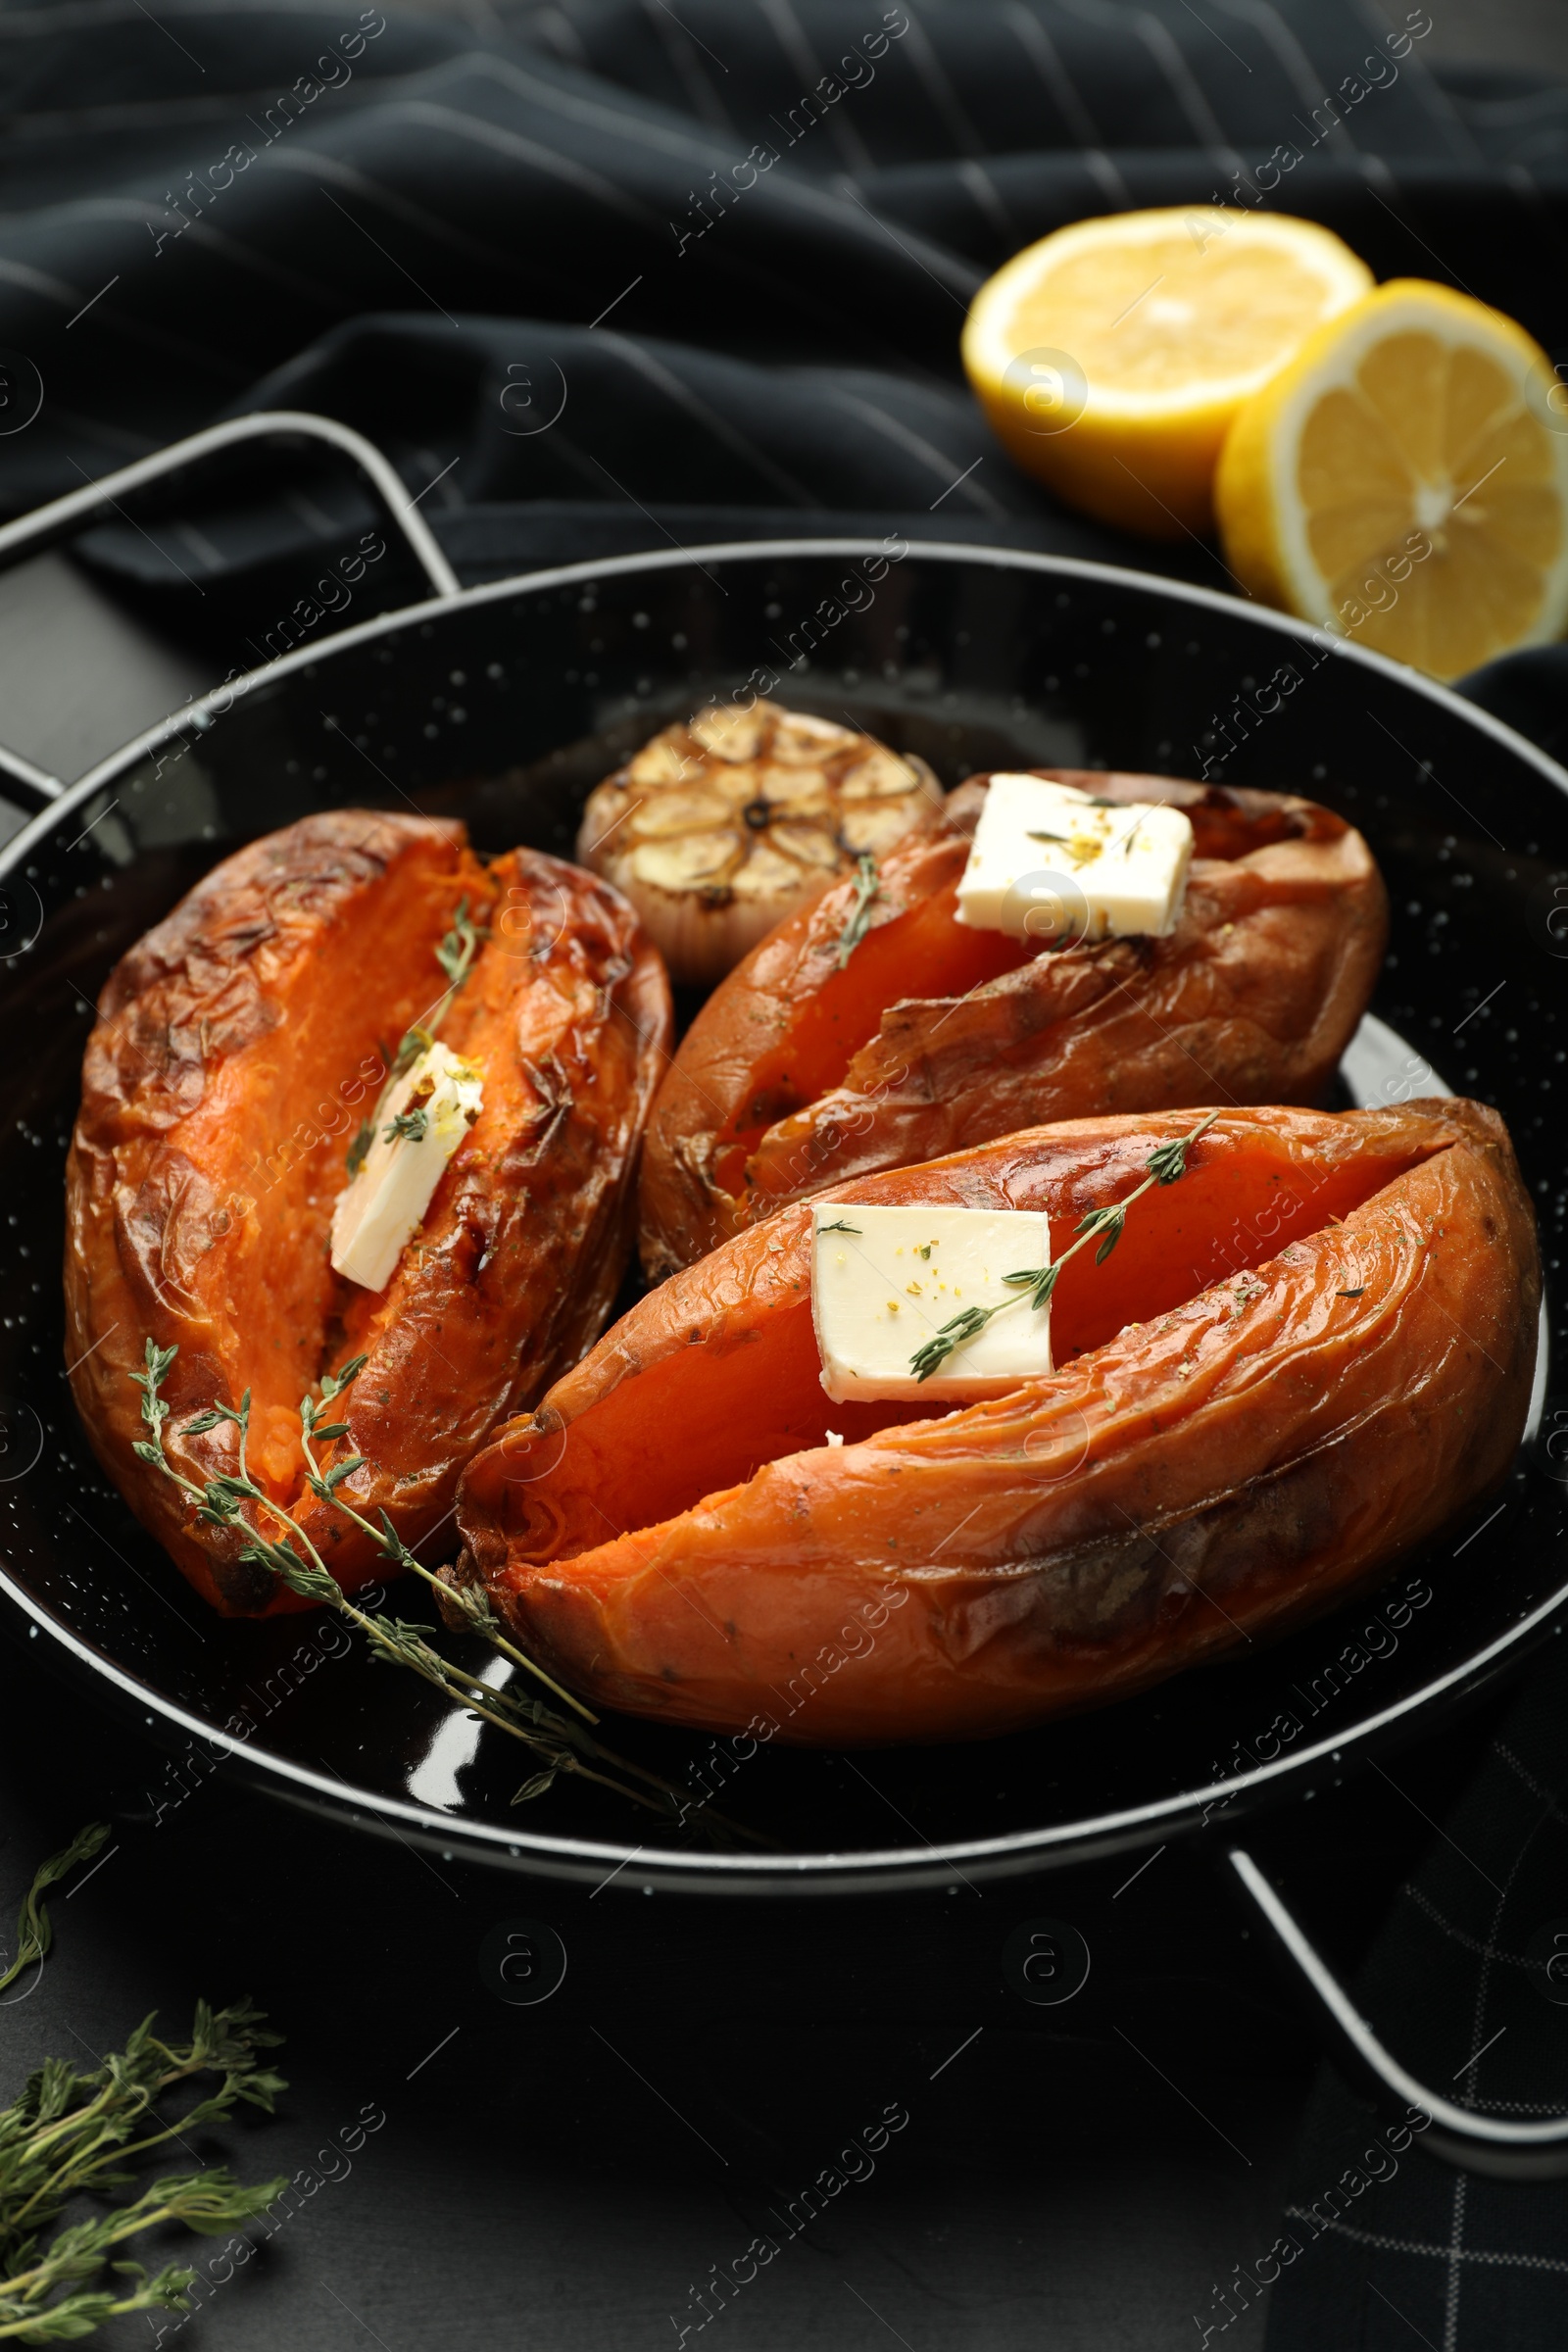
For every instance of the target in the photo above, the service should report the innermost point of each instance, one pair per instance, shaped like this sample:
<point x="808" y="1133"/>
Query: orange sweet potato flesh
<point x="1298" y="1360"/>
<point x="238" y="1046"/>
<point x="799" y="1072"/>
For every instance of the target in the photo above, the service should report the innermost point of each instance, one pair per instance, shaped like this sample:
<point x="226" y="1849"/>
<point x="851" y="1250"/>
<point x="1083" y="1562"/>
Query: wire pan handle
<point x="1477" y="2143"/>
<point x="31" y="534"/>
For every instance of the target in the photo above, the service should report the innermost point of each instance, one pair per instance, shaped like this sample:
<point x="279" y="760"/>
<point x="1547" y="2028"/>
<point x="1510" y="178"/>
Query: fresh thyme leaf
<point x="1355" y="1293"/>
<point x="1109" y="1222"/>
<point x="1169" y="1162"/>
<point x="415" y="1042"/>
<point x="1040" y="1280"/>
<point x="866" y="887"/>
<point x="392" y="1543"/>
<point x="1165" y="1165"/>
<point x="359" y="1147"/>
<point x="1065" y="837"/>
<point x="953" y="1333"/>
<point x="923" y="1249"/>
<point x="840" y="1227"/>
<point x="460" y="946"/>
<point x="414" y="1125"/>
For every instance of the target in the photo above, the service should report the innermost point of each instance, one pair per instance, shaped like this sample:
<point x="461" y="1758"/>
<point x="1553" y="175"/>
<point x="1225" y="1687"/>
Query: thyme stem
<point x="455" y="956"/>
<point x="476" y="1607"/>
<point x="34" y="1934"/>
<point x="1035" y="1284"/>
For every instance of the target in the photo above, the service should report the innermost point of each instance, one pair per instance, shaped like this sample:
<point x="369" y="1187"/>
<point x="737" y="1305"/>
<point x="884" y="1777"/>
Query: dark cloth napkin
<point x="614" y="273"/>
<point x="602" y="275"/>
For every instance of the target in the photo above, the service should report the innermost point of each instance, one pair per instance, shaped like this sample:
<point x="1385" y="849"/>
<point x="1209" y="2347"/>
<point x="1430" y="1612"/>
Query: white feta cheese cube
<point x="1048" y="863"/>
<point x="421" y="1124"/>
<point x="885" y="1280"/>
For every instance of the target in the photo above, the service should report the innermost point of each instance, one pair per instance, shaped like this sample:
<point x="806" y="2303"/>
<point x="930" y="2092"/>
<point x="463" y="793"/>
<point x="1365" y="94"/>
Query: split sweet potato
<point x="1298" y="1360"/>
<point x="237" y="1049"/>
<point x="806" y="1066"/>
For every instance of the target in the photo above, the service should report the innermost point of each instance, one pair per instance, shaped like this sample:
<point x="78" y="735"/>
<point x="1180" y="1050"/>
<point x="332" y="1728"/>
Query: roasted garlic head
<point x="718" y="830"/>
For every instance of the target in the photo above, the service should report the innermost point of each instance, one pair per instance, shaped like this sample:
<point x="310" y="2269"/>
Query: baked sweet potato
<point x="1298" y="1361"/>
<point x="238" y="1048"/>
<point x="803" y="1069"/>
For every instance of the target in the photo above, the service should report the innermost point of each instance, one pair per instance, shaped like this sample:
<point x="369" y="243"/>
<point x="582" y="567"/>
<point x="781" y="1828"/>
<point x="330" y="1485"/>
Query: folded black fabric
<point x="611" y="274"/>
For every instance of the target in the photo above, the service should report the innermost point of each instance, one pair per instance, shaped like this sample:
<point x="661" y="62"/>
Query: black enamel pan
<point x="502" y="704"/>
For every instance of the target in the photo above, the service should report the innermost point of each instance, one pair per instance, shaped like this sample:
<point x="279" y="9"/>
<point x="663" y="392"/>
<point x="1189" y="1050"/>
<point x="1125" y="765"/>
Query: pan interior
<point x="505" y="711"/>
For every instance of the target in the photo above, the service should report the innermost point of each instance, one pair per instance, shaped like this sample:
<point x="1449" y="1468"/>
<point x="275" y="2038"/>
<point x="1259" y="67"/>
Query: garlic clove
<point x="690" y="861"/>
<point x="675" y="812"/>
<point x="808" y="845"/>
<point x="875" y="826"/>
<point x="728" y="732"/>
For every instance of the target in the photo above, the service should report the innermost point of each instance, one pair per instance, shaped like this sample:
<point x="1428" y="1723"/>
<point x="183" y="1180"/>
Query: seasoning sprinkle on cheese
<point x="865" y="1337"/>
<point x="1050" y="862"/>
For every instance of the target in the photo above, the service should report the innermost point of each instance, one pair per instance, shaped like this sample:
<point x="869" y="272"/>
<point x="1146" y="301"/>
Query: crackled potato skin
<point x="237" y="1048"/>
<point x="1275" y="1427"/>
<point x="799" y="1073"/>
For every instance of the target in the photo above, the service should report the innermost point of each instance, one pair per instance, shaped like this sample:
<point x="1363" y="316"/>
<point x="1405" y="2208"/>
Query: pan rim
<point x="202" y="714"/>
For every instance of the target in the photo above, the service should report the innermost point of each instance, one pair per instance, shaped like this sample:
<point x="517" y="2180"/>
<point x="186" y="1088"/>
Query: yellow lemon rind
<point x="1142" y="458"/>
<point x="1260" y="513"/>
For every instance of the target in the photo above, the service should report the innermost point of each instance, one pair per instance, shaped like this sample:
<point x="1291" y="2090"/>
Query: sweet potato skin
<point x="1253" y="1000"/>
<point x="238" y="1046"/>
<point x="1248" y="1456"/>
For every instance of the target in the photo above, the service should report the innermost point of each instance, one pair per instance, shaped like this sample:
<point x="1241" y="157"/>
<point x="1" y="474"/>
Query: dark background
<point x="561" y="2174"/>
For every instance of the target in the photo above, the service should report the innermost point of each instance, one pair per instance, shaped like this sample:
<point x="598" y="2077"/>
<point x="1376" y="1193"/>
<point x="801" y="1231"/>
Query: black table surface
<point x="570" y="2173"/>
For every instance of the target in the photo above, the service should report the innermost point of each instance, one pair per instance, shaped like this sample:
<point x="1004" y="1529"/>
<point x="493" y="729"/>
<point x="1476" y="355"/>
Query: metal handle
<point x="57" y="521"/>
<point x="1476" y="2143"/>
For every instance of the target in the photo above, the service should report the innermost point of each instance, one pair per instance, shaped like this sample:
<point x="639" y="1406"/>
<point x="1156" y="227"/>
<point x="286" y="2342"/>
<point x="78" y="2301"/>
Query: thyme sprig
<point x="471" y="1603"/>
<point x="561" y="1745"/>
<point x="72" y="2132"/>
<point x="866" y="887"/>
<point x="34" y="1933"/>
<point x="222" y="1502"/>
<point x="1035" y="1284"/>
<point x="454" y="955"/>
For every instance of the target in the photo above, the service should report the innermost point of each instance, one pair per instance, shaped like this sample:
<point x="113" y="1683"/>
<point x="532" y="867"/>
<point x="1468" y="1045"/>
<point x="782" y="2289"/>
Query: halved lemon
<point x="1405" y="482"/>
<point x="1111" y="357"/>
